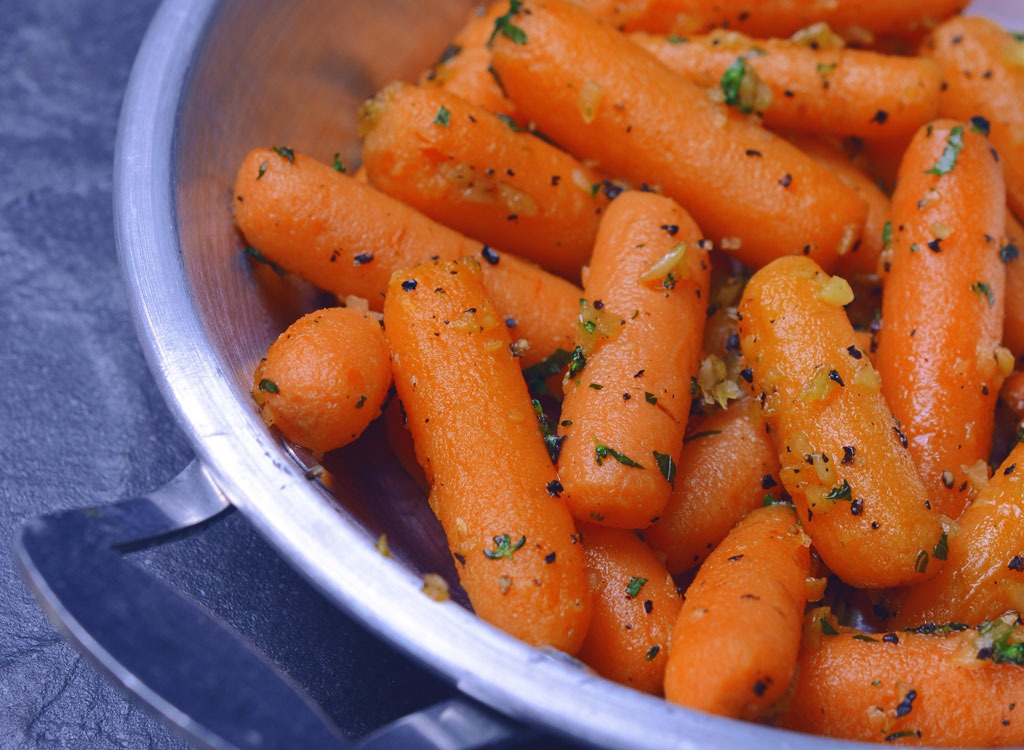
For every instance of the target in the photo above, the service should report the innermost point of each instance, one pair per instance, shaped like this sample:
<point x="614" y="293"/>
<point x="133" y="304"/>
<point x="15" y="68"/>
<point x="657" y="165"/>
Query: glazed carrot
<point x="983" y="67"/>
<point x="347" y="238"/>
<point x="1012" y="394"/>
<point x="468" y="169"/>
<point x="727" y="469"/>
<point x="635" y="606"/>
<point x="400" y="442"/>
<point x="942" y="311"/>
<point x="854" y="483"/>
<point x="464" y="68"/>
<point x="757" y="196"/>
<point x="627" y="397"/>
<point x="735" y="644"/>
<point x="940" y="686"/>
<point x="493" y="486"/>
<point x="324" y="379"/>
<point x="1010" y="253"/>
<point x="984" y="575"/>
<point x="820" y="89"/>
<point x="857" y="21"/>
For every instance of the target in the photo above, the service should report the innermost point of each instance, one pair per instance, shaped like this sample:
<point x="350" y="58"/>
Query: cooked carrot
<point x="938" y="686"/>
<point x="1010" y="253"/>
<point x="858" y="21"/>
<point x="635" y="606"/>
<point x="818" y="88"/>
<point x="347" y="238"/>
<point x="734" y="646"/>
<point x="493" y="486"/>
<point x="942" y="310"/>
<point x="727" y="469"/>
<point x="1012" y="394"/>
<point x="400" y="442"/>
<point x="468" y="169"/>
<point x="757" y="196"/>
<point x="984" y="575"/>
<point x="843" y="460"/>
<point x="324" y="379"/>
<point x="627" y="396"/>
<point x="983" y="67"/>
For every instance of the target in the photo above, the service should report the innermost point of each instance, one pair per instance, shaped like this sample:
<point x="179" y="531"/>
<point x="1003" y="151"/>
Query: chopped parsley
<point x="259" y="257"/>
<point x="269" y="386"/>
<point x="652" y="652"/>
<point x="667" y="467"/>
<point x="504" y="547"/>
<point x="947" y="161"/>
<point x="503" y="25"/>
<point x="602" y="452"/>
<point x="285" y="152"/>
<point x="941" y="549"/>
<point x="984" y="290"/>
<point x="634" y="586"/>
<point x="443" y="117"/>
<point x="842" y="492"/>
<point x="337" y="166"/>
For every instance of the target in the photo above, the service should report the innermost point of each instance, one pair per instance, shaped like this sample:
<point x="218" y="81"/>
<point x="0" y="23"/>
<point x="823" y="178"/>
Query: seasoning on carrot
<point x="347" y="238"/>
<point x="942" y="310"/>
<point x="734" y="647"/>
<point x="325" y="378"/>
<point x="843" y="458"/>
<point x="493" y="486"/>
<point x="635" y="607"/>
<point x="468" y="169"/>
<point x="755" y="195"/>
<point x="628" y="396"/>
<point x="1010" y="249"/>
<point x="943" y="684"/>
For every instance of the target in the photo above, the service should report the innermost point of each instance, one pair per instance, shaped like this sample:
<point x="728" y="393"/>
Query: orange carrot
<point x="325" y="378"/>
<point x="1012" y="394"/>
<point x="627" y="396"/>
<point x="983" y="67"/>
<point x="984" y="575"/>
<point x="1010" y="253"/>
<point x="855" y="20"/>
<point x="734" y="646"/>
<point x="940" y="686"/>
<point x="347" y="238"/>
<point x="727" y="469"/>
<point x="635" y="606"/>
<point x="757" y="196"/>
<point x="843" y="459"/>
<point x="815" y="87"/>
<point x="466" y="168"/>
<point x="942" y="311"/>
<point x="494" y="488"/>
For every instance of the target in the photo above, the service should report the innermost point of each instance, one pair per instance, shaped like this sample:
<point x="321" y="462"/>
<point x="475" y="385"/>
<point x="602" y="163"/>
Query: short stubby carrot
<point x="734" y="646"/>
<point x="857" y="21"/>
<point x="983" y="67"/>
<point x="727" y="469"/>
<point x="324" y="379"/>
<point x="984" y="575"/>
<point x="814" y="88"/>
<point x="635" y="606"/>
<point x="1012" y="394"/>
<point x="515" y="545"/>
<point x="754" y="194"/>
<point x="942" y="310"/>
<point x="627" y="395"/>
<point x="1010" y="253"/>
<point x="467" y="168"/>
<point x="843" y="457"/>
<point x="347" y="238"/>
<point x="942" y="685"/>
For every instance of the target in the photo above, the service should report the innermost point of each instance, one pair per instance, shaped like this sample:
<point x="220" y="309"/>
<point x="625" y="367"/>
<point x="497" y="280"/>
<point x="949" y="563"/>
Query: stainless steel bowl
<point x="212" y="80"/>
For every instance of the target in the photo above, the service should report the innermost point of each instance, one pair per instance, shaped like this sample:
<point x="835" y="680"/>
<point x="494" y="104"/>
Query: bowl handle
<point x="193" y="670"/>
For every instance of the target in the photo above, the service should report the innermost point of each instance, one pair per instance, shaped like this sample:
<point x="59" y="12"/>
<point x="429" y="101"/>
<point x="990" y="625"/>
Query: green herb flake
<point x="577" y="361"/>
<point x="770" y="499"/>
<point x="694" y="386"/>
<point x="941" y="550"/>
<point x="503" y="25"/>
<point x="504" y="547"/>
<point x="259" y="257"/>
<point x="825" y="70"/>
<point x="887" y="234"/>
<point x="634" y="586"/>
<point x="842" y="492"/>
<point x="865" y="638"/>
<point x="536" y="376"/>
<point x="650" y="398"/>
<point x="984" y="290"/>
<point x="827" y="628"/>
<point x="900" y="735"/>
<point x="667" y="467"/>
<point x="731" y="81"/>
<point x="360" y="402"/>
<point x="269" y="386"/>
<point x="284" y="152"/>
<point x="921" y="564"/>
<point x="338" y="166"/>
<point x="443" y="117"/>
<point x="596" y="386"/>
<point x="510" y="122"/>
<point x="602" y="451"/>
<point x="947" y="161"/>
<point x="699" y="435"/>
<point x="263" y="170"/>
<point x="876" y="683"/>
<point x="652" y="652"/>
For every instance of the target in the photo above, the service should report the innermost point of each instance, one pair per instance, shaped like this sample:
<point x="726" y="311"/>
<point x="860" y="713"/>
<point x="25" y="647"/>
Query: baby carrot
<point x="756" y="195"/>
<point x="1010" y="253"/>
<point x="1012" y="394"/>
<point x="727" y="469"/>
<point x="734" y="646"/>
<point x="468" y="169"/>
<point x="842" y="453"/>
<point x="325" y="378"/>
<point x="855" y="20"/>
<point x="493" y="486"/>
<point x="942" y="310"/>
<point x="983" y="67"/>
<point x="627" y="397"/>
<point x="635" y="606"/>
<point x="814" y="88"/>
<point x="984" y="575"/>
<point x="347" y="238"/>
<point x="944" y="685"/>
